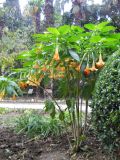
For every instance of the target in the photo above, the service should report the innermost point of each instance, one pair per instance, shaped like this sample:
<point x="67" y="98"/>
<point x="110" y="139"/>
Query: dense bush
<point x="106" y="104"/>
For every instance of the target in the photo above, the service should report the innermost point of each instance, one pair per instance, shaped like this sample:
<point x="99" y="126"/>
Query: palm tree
<point x="2" y="23"/>
<point x="78" y="11"/>
<point x="35" y="10"/>
<point x="49" y="13"/>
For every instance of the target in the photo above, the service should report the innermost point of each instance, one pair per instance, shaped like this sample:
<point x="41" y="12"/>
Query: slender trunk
<point x="37" y="21"/>
<point x="86" y="116"/>
<point x="81" y="114"/>
<point x="1" y="28"/>
<point x="49" y="13"/>
<point x="77" y="115"/>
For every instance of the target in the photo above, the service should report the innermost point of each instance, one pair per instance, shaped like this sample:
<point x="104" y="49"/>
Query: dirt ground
<point x="18" y="147"/>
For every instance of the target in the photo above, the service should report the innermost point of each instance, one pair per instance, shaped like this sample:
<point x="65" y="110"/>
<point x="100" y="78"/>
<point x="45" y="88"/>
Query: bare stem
<point x="86" y="116"/>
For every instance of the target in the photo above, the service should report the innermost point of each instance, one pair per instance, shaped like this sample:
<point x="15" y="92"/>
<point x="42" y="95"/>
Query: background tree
<point x="78" y="11"/>
<point x="108" y="10"/>
<point x="35" y="10"/>
<point x="2" y="23"/>
<point x="49" y="13"/>
<point x="12" y="16"/>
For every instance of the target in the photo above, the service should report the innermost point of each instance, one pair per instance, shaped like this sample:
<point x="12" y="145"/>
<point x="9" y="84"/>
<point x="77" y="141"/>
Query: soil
<point x="18" y="147"/>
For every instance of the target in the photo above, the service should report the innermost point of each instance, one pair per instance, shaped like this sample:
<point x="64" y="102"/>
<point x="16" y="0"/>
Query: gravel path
<point x="32" y="105"/>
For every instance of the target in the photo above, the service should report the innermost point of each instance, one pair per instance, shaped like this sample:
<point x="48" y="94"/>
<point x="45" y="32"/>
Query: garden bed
<point x="18" y="146"/>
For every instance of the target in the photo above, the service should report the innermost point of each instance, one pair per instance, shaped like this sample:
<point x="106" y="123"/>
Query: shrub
<point x="106" y="104"/>
<point x="34" y="124"/>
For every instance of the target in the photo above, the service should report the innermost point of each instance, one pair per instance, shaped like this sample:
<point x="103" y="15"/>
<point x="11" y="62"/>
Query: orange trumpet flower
<point x="56" y="56"/>
<point x="100" y="63"/>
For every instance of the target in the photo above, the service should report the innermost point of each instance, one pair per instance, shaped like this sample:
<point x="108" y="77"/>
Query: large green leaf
<point x="95" y="39"/>
<point x="54" y="31"/>
<point x="61" y="116"/>
<point x="74" y="55"/>
<point x="115" y="35"/>
<point x="24" y="55"/>
<point x="108" y="28"/>
<point x="90" y="26"/>
<point x="102" y="25"/>
<point x="77" y="28"/>
<point x="50" y="108"/>
<point x="64" y="29"/>
<point x="10" y="87"/>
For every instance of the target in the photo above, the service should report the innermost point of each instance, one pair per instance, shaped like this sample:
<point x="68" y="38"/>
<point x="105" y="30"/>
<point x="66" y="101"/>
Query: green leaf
<point x="61" y="116"/>
<point x="54" y="31"/>
<point x="108" y="28"/>
<point x="70" y="104"/>
<point x="74" y="55"/>
<point x="50" y="108"/>
<point x="102" y="25"/>
<point x="9" y="90"/>
<point x="28" y="63"/>
<point x="77" y="28"/>
<point x="95" y="39"/>
<point x="64" y="29"/>
<point x="53" y="113"/>
<point x="111" y="40"/>
<point x="90" y="26"/>
<point x="115" y="35"/>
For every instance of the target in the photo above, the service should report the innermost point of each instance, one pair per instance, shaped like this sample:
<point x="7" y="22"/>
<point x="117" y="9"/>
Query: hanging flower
<point x="51" y="76"/>
<point x="87" y="71"/>
<point x="33" y="80"/>
<point x="93" y="68"/>
<point x="56" y="56"/>
<point x="78" y="68"/>
<point x="100" y="63"/>
<point x="36" y="66"/>
<point x="22" y="85"/>
<point x="73" y="64"/>
<point x="60" y="76"/>
<point x="67" y="60"/>
<point x="62" y="69"/>
<point x="44" y="69"/>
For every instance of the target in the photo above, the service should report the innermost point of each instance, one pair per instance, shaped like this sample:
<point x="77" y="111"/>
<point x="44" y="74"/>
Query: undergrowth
<point x="34" y="124"/>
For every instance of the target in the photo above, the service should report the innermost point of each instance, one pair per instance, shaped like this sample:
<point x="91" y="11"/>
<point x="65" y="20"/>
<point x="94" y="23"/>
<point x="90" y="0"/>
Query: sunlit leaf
<point x="95" y="39"/>
<point x="102" y="25"/>
<point x="90" y="26"/>
<point x="64" y="29"/>
<point x="77" y="28"/>
<point x="53" y="31"/>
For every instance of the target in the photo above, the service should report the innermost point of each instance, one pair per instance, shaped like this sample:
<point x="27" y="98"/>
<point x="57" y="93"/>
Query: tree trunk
<point x="1" y="27"/>
<point x="37" y="21"/>
<point x="78" y="11"/>
<point x="49" y="13"/>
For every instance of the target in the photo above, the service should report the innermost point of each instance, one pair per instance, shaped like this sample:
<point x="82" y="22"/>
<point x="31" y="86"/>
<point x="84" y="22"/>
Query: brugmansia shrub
<point x="73" y="56"/>
<point x="106" y="104"/>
